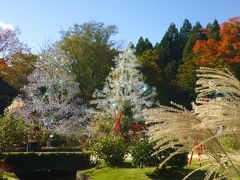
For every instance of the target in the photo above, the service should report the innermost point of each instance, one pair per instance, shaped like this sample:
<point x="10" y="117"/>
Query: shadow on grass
<point x="175" y="174"/>
<point x="125" y="164"/>
<point x="160" y="174"/>
<point x="45" y="175"/>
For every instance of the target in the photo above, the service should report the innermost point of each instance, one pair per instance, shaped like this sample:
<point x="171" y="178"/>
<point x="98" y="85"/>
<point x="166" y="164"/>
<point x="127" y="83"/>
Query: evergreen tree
<point x="143" y="45"/>
<point x="187" y="70"/>
<point x="187" y="75"/>
<point x="50" y="97"/>
<point x="168" y="47"/>
<point x="125" y="87"/>
<point x="150" y="67"/>
<point x="140" y="46"/>
<point x="169" y="53"/>
<point x="184" y="34"/>
<point x="214" y="31"/>
<point x="194" y="35"/>
<point x="148" y="44"/>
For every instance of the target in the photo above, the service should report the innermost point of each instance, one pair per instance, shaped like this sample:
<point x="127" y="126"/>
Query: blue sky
<point x="41" y="20"/>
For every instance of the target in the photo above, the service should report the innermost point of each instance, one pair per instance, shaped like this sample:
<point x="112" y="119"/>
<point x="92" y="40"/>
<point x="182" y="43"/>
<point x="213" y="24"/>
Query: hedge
<point x="23" y="162"/>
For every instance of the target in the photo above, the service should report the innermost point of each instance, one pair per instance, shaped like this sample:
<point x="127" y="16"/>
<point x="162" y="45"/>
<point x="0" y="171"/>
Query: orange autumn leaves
<point x="15" y="74"/>
<point x="226" y="50"/>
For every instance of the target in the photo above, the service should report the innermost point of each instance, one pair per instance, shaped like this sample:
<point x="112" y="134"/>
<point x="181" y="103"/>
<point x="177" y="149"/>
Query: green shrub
<point x="142" y="154"/>
<point x="13" y="133"/>
<point x="102" y="127"/>
<point x="111" y="149"/>
<point x="127" y="119"/>
<point x="32" y="162"/>
<point x="177" y="162"/>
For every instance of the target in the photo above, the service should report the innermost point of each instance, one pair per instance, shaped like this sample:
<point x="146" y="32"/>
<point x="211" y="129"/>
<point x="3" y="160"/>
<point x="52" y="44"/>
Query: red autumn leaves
<point x="225" y="50"/>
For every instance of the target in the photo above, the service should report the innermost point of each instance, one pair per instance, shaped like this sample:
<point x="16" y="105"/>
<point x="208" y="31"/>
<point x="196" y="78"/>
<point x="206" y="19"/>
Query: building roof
<point x="7" y="89"/>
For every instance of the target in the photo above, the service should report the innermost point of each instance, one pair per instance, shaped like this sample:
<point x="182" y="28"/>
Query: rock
<point x="81" y="176"/>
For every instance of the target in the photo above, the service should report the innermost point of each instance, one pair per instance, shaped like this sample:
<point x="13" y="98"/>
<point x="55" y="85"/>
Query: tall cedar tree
<point x="184" y="35"/>
<point x="170" y="55"/>
<point x="167" y="48"/>
<point x="215" y="31"/>
<point x="143" y="45"/>
<point x="187" y="70"/>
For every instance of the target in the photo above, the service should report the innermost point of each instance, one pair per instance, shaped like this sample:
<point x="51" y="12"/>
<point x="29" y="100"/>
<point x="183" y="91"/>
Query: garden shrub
<point x="102" y="127"/>
<point x="142" y="154"/>
<point x="13" y="133"/>
<point x="127" y="120"/>
<point x="177" y="162"/>
<point x="22" y="162"/>
<point x="111" y="149"/>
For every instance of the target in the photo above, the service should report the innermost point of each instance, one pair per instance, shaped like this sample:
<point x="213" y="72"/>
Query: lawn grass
<point x="126" y="171"/>
<point x="118" y="173"/>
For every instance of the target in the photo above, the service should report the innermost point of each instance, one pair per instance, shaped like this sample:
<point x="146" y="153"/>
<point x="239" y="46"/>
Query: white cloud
<point x="4" y="25"/>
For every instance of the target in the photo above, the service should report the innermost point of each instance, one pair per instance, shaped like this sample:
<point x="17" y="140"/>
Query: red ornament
<point x="137" y="127"/>
<point x="118" y="122"/>
<point x="199" y="147"/>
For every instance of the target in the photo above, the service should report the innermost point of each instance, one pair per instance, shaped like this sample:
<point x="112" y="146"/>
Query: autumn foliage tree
<point x="14" y="65"/>
<point x="213" y="52"/>
<point x="21" y="67"/>
<point x="10" y="44"/>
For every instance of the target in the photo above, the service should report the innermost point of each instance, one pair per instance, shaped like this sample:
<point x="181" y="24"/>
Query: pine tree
<point x="214" y="31"/>
<point x="148" y="44"/>
<point x="168" y="47"/>
<point x="184" y="34"/>
<point x="169" y="53"/>
<point x="143" y="45"/>
<point x="186" y="71"/>
<point x="125" y="87"/>
<point x="50" y="96"/>
<point x="194" y="35"/>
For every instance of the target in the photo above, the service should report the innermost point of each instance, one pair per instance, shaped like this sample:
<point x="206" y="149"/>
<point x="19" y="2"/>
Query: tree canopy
<point x="92" y="50"/>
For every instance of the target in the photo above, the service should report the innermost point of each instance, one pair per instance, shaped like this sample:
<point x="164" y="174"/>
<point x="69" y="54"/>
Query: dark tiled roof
<point x="6" y="89"/>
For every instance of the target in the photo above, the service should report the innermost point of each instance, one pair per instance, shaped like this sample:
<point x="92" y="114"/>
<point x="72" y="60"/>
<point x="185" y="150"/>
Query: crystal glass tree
<point x="50" y="96"/>
<point x="125" y="86"/>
